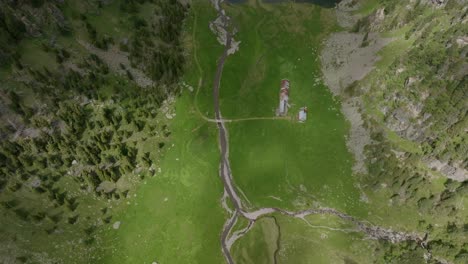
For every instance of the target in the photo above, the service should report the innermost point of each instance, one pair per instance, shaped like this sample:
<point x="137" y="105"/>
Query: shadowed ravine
<point x="226" y="33"/>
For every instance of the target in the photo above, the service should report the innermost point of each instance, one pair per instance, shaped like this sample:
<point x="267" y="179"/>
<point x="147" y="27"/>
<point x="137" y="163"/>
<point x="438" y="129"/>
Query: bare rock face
<point x="344" y="13"/>
<point x="376" y="232"/>
<point x="411" y="80"/>
<point x="462" y="41"/>
<point x="35" y="182"/>
<point x="380" y="14"/>
<point x="376" y="19"/>
<point x="453" y="171"/>
<point x="408" y="121"/>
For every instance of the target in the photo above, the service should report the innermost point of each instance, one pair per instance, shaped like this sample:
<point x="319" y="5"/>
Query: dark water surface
<point x="323" y="3"/>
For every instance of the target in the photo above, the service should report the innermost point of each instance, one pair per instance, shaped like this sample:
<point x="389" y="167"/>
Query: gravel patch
<point x="344" y="60"/>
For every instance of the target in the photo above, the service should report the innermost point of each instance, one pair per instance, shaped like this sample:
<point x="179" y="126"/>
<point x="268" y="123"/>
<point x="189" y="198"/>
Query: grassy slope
<point x="65" y="245"/>
<point x="195" y="200"/>
<point x="276" y="157"/>
<point x="272" y="43"/>
<point x="193" y="237"/>
<point x="176" y="217"/>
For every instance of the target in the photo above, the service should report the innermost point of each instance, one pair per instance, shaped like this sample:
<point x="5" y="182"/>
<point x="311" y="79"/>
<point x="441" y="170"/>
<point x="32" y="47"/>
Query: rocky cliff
<point x="400" y="69"/>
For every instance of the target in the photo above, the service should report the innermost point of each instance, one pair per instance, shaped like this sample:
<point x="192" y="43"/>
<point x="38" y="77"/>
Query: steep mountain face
<point x="424" y="90"/>
<point x="86" y="92"/>
<point x="413" y="100"/>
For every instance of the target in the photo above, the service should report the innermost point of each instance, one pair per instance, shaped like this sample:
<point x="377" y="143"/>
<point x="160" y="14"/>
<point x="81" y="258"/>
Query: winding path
<point x="227" y="240"/>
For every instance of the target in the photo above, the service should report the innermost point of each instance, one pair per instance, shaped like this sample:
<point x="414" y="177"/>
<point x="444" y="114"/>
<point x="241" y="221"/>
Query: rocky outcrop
<point x="437" y="3"/>
<point x="452" y="171"/>
<point x="462" y="41"/>
<point x="421" y="91"/>
<point x="344" y="14"/>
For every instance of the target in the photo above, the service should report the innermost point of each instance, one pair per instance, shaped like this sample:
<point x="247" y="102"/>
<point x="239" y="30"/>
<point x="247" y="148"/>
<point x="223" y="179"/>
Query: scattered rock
<point x="116" y="225"/>
<point x="106" y="186"/>
<point x="411" y="80"/>
<point x="452" y="171"/>
<point x="344" y="61"/>
<point x="364" y="198"/>
<point x="35" y="182"/>
<point x="462" y="41"/>
<point x="218" y="27"/>
<point x="344" y="13"/>
<point x="436" y="3"/>
<point x="114" y="58"/>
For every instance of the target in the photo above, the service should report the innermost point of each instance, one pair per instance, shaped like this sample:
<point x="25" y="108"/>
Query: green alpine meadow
<point x="234" y="131"/>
